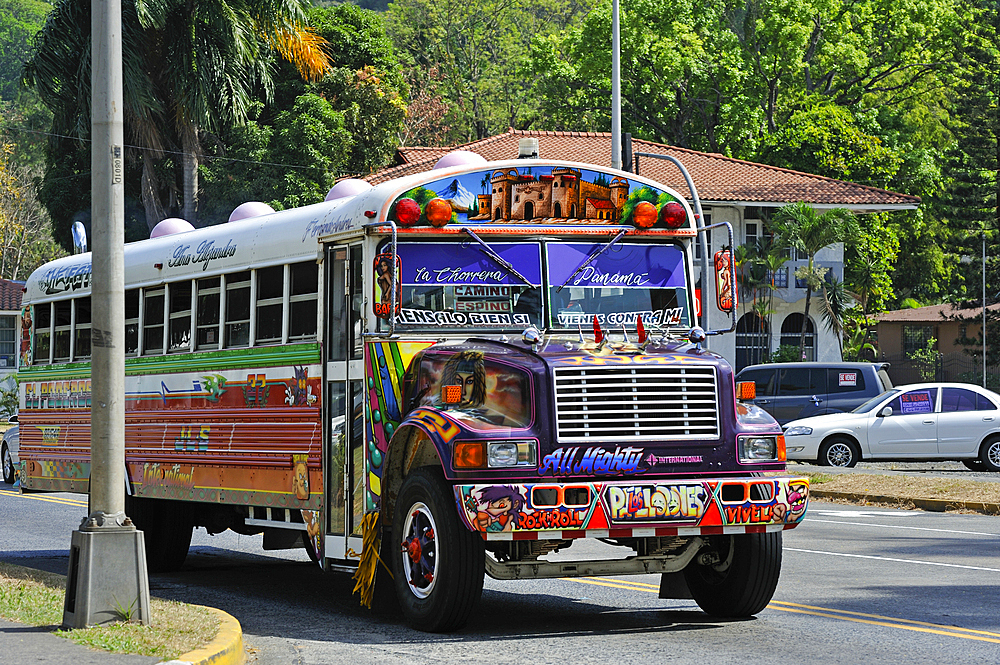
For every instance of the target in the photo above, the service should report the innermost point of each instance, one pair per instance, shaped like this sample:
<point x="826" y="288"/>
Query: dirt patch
<point x="908" y="488"/>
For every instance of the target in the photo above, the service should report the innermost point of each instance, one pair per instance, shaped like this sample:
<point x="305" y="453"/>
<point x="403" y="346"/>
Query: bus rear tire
<point x="742" y="581"/>
<point x="437" y="563"/>
<point x="166" y="528"/>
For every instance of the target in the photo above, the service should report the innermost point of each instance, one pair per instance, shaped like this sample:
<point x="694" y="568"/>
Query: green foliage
<point x="786" y="353"/>
<point x="9" y="397"/>
<point x="926" y="360"/>
<point x="19" y="21"/>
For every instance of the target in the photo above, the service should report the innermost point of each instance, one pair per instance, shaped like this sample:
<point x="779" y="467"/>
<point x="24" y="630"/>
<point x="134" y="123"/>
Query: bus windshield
<point x="462" y="285"/>
<point x="617" y="284"/>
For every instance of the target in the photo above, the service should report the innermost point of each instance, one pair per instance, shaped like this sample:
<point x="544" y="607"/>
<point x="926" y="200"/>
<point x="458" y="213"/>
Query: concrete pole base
<point x="107" y="579"/>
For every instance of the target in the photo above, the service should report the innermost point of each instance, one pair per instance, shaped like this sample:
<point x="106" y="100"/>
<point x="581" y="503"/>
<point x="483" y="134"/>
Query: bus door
<point x="344" y="459"/>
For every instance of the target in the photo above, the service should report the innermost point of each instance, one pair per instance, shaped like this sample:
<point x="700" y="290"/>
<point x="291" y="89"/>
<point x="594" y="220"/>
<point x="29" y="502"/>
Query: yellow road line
<point x="50" y="499"/>
<point x="825" y="612"/>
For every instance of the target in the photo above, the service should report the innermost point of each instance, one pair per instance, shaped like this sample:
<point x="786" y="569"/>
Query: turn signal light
<point x="469" y="455"/>
<point x="746" y="390"/>
<point x="782" y="455"/>
<point x="451" y="394"/>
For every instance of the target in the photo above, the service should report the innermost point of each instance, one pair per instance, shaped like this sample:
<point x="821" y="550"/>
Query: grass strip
<point x="35" y="598"/>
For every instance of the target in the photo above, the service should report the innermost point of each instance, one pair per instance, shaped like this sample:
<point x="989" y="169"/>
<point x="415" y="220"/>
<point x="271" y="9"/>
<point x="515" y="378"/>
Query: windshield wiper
<point x="593" y="255"/>
<point x="488" y="251"/>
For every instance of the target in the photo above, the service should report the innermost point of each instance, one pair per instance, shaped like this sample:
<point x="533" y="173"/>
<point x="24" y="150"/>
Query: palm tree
<point x="800" y="226"/>
<point x="188" y="66"/>
<point x="836" y="302"/>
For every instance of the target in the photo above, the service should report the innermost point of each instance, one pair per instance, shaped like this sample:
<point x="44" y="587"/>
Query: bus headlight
<point x="503" y="454"/>
<point x="761" y="448"/>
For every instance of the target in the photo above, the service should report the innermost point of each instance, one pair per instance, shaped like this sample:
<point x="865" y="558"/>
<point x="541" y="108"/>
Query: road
<point x="857" y="585"/>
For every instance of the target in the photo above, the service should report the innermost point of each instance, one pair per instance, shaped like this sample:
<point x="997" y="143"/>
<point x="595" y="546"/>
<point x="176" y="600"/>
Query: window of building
<point x="8" y="347"/>
<point x="62" y="332"/>
<point x="209" y="302"/>
<point x="152" y="319"/>
<point x="303" y="300"/>
<point x="752" y="341"/>
<point x="916" y="337"/>
<point x="43" y="333"/>
<point x="81" y="329"/>
<point x="270" y="300"/>
<point x="238" y="309"/>
<point x="791" y="334"/>
<point x="131" y="322"/>
<point x="750" y="234"/>
<point x="779" y="278"/>
<point x="180" y="317"/>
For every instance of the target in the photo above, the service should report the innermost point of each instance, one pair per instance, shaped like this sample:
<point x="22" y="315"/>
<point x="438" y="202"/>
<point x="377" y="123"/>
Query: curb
<point x="931" y="505"/>
<point x="225" y="649"/>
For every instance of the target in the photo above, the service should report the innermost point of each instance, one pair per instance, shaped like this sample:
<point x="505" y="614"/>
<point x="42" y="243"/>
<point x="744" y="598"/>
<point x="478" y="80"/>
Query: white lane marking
<point x="886" y="558"/>
<point x="863" y="513"/>
<point x="900" y="526"/>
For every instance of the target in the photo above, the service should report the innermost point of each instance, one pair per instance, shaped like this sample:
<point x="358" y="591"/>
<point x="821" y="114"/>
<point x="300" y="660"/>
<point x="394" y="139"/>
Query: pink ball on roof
<point x="170" y="226"/>
<point x="347" y="187"/>
<point x="459" y="158"/>
<point x="250" y="209"/>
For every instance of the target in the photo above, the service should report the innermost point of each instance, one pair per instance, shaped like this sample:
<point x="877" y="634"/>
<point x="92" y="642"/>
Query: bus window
<point x="238" y="309"/>
<point x="63" y="329"/>
<point x="208" y="313"/>
<point x="152" y="320"/>
<point x="270" y="299"/>
<point x="132" y="322"/>
<point x="302" y="300"/>
<point x="180" y="316"/>
<point x="43" y="332"/>
<point x="81" y="329"/>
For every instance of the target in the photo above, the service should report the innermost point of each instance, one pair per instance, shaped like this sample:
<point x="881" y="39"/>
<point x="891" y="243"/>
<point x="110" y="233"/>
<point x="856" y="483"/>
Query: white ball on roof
<point x="459" y="158"/>
<point x="347" y="187"/>
<point x="170" y="226"/>
<point x="250" y="209"/>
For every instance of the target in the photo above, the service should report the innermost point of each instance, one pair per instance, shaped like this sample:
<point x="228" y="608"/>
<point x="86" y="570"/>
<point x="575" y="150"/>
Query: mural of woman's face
<point x="468" y="381"/>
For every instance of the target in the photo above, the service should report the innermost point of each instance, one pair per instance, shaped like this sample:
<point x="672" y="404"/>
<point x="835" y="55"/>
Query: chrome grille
<point x="629" y="403"/>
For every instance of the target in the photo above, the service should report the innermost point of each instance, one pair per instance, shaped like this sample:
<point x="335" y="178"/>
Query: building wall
<point x="787" y="301"/>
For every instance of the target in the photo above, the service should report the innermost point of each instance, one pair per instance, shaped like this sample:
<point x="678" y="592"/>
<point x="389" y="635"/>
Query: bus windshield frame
<point x="448" y="286"/>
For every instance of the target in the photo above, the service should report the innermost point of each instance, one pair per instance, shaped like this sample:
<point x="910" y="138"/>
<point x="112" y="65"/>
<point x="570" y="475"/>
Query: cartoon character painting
<point x="498" y="507"/>
<point x="300" y="477"/>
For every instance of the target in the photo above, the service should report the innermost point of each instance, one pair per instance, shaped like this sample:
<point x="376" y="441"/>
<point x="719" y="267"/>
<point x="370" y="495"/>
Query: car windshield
<point x="875" y="401"/>
<point x="617" y="285"/>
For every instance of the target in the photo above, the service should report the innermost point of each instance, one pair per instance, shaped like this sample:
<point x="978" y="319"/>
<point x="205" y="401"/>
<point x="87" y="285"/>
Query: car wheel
<point x="839" y="452"/>
<point x="8" y="465"/>
<point x="439" y="564"/>
<point x="974" y="464"/>
<point x="990" y="455"/>
<point x="738" y="576"/>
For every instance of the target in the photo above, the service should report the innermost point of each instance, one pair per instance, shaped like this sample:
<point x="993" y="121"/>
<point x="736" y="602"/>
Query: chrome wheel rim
<point x="8" y="464"/>
<point x="419" y="550"/>
<point x="839" y="454"/>
<point x="993" y="453"/>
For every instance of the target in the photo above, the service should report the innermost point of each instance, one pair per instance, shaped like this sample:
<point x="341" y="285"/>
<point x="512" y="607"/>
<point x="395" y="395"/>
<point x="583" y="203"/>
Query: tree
<point x="188" y="67"/>
<point x="19" y="21"/>
<point x="801" y="227"/>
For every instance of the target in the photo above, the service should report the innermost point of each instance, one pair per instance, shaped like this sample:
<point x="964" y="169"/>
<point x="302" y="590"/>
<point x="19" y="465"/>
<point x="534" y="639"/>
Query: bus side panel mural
<point x="189" y="436"/>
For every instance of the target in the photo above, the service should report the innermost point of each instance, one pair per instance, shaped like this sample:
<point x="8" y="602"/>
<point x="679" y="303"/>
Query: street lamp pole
<point x="616" y="90"/>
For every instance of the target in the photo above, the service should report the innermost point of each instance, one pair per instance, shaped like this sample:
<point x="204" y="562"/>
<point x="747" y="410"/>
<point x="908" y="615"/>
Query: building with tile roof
<point x="730" y="190"/>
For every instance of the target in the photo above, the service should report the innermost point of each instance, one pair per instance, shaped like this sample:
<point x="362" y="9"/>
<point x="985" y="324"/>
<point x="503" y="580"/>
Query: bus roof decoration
<point x="459" y="158"/>
<point x="673" y="214"/>
<point x="347" y="187"/>
<point x="250" y="209"/>
<point x="170" y="226"/>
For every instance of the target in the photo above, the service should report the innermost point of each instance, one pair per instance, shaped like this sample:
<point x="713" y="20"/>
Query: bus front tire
<point x="437" y="563"/>
<point x="735" y="577"/>
<point x="166" y="531"/>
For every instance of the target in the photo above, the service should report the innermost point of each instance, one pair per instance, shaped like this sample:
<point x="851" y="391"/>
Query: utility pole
<point x="107" y="578"/>
<point x="616" y="90"/>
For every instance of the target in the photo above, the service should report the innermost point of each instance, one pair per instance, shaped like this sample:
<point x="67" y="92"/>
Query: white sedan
<point x="922" y="421"/>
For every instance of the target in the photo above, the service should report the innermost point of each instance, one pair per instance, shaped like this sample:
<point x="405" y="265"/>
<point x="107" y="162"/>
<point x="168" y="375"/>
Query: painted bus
<point x="452" y="373"/>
